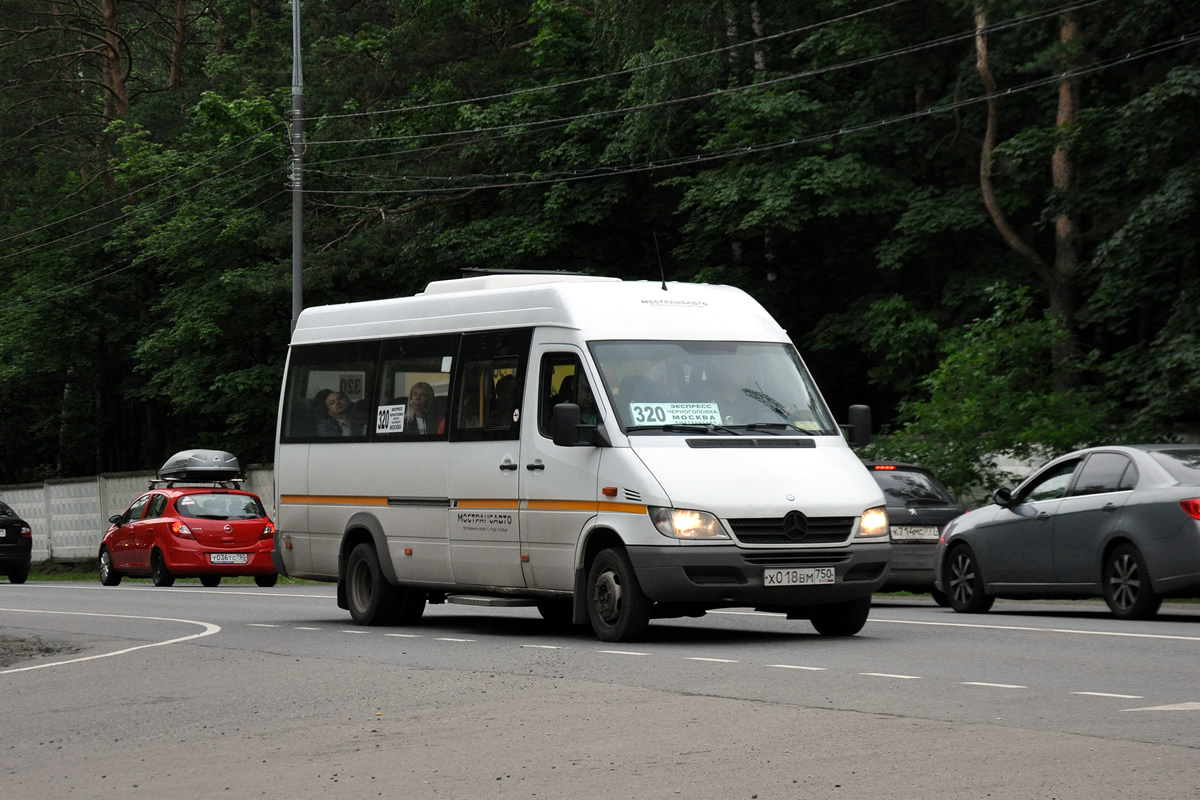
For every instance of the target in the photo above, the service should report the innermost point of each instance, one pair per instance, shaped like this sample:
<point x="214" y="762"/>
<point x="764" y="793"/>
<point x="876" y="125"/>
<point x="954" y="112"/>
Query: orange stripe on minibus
<point x="331" y="500"/>
<point x="487" y="504"/>
<point x="576" y="505"/>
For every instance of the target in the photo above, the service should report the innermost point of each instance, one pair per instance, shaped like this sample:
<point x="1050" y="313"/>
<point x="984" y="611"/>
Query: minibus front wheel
<point x="617" y="608"/>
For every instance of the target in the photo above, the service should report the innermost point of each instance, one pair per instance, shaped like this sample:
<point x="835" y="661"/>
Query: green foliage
<point x="823" y="155"/>
<point x="988" y="399"/>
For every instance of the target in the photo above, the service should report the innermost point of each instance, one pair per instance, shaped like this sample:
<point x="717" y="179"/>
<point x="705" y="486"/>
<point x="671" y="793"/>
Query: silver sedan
<point x="1121" y="522"/>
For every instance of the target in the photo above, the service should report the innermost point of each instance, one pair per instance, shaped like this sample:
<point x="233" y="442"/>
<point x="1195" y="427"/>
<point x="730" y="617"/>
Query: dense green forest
<point x="980" y="217"/>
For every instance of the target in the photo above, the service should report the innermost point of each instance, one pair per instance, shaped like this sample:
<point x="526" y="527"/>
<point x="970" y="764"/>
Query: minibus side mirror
<point x="564" y="424"/>
<point x="567" y="432"/>
<point x="860" y="426"/>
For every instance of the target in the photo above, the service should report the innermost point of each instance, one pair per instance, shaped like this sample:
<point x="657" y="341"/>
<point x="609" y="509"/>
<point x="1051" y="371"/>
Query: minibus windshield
<point x="721" y="387"/>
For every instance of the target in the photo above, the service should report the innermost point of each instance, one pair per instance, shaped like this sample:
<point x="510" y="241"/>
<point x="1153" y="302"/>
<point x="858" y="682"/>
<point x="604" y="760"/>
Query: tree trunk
<point x="1066" y="227"/>
<point x="1059" y="278"/>
<point x="116" y="71"/>
<point x="177" y="44"/>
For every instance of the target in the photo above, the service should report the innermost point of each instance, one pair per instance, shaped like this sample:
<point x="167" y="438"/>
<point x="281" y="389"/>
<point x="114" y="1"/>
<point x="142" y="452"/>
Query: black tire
<point x="371" y="599"/>
<point x="210" y="580"/>
<point x="18" y="575"/>
<point x="410" y="605"/>
<point x="1127" y="588"/>
<point x="617" y="608"/>
<point x="108" y="574"/>
<point x="841" y="619"/>
<point x="557" y="613"/>
<point x="965" y="582"/>
<point x="940" y="597"/>
<point x="159" y="573"/>
<point x="266" y="581"/>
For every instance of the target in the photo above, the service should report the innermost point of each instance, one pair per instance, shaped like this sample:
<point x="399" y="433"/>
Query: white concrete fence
<point x="69" y="515"/>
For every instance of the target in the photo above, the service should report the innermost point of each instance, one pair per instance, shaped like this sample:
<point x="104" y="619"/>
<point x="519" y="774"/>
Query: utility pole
<point x="297" y="170"/>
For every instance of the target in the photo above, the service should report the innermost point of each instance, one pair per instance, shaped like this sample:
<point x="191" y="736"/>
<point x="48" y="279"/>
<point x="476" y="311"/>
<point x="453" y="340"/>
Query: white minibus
<point x="608" y="451"/>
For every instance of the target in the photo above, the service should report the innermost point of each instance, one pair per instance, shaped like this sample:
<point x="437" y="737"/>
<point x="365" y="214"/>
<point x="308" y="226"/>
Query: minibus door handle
<point x="537" y="464"/>
<point x="508" y="466"/>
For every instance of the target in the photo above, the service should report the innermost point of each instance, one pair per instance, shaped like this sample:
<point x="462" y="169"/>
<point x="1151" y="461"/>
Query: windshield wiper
<point x="671" y="427"/>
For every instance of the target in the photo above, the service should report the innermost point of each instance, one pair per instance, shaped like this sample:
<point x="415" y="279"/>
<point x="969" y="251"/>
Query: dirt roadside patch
<point x="15" y="649"/>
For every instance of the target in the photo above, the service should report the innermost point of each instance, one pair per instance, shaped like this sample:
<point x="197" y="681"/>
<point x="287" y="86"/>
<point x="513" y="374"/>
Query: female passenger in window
<point x="419" y="417"/>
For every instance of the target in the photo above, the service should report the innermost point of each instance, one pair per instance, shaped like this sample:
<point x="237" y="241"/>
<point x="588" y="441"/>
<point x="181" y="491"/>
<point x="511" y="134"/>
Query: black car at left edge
<point x="16" y="545"/>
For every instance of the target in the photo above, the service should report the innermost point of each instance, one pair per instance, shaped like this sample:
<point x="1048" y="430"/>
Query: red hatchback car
<point x="193" y="522"/>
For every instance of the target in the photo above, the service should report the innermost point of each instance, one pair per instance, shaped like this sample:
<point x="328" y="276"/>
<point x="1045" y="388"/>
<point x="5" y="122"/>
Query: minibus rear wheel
<point x="372" y="600"/>
<point x="617" y="608"/>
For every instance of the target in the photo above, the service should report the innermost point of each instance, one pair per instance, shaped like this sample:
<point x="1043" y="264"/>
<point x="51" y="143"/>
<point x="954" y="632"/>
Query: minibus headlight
<point x="874" y="523"/>
<point x="682" y="523"/>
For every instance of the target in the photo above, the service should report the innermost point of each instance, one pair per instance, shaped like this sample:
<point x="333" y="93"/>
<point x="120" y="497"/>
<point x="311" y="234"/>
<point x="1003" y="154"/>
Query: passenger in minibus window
<point x="419" y="416"/>
<point x="339" y="419"/>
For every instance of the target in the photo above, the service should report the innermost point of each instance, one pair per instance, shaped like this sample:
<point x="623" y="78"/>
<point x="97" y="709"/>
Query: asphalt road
<point x="248" y="692"/>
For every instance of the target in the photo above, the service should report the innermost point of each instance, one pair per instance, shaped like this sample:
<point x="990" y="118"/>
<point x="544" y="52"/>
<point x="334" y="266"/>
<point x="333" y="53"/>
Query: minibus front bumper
<point x="725" y="576"/>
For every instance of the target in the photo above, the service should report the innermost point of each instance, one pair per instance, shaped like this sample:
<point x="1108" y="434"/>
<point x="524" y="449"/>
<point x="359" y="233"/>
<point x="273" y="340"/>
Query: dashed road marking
<point x="622" y="652"/>
<point x="714" y="660"/>
<point x="261" y="625"/>
<point x="889" y="675"/>
<point x="1106" y="694"/>
<point x="448" y="639"/>
<point x="994" y="685"/>
<point x="797" y="666"/>
<point x="1175" y="707"/>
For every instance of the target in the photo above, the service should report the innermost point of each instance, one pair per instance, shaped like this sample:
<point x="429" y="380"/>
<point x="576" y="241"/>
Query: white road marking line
<point x="351" y="630"/>
<point x="1175" y="707"/>
<point x="887" y="675"/>
<point x="994" y="685"/>
<point x="543" y="647"/>
<point x="1025" y="628"/>
<point x="448" y="639"/>
<point x="794" y="666"/>
<point x="192" y="589"/>
<point x="301" y="628"/>
<point x="1106" y="694"/>
<point x="209" y="630"/>
<point x="404" y="635"/>
<point x="261" y="625"/>
<point x="622" y="652"/>
<point x="714" y="660"/>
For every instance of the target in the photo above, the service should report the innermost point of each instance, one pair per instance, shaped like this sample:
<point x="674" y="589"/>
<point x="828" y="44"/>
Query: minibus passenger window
<point x="414" y="388"/>
<point x="488" y="404"/>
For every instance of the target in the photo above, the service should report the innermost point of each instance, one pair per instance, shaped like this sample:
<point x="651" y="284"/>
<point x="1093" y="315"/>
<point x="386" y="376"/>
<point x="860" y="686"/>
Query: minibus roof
<point x="601" y="308"/>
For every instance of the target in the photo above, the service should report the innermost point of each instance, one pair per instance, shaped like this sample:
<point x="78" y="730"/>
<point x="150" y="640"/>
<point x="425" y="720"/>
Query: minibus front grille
<point x="820" y="530"/>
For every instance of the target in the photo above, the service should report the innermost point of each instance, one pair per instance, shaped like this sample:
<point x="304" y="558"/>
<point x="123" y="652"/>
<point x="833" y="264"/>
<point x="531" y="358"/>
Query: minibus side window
<point x="329" y="392"/>
<point x="562" y="380"/>
<point x="414" y="388"/>
<point x="490" y="386"/>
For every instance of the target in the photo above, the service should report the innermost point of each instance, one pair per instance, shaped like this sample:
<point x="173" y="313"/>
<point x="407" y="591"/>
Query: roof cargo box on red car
<point x="200" y="465"/>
